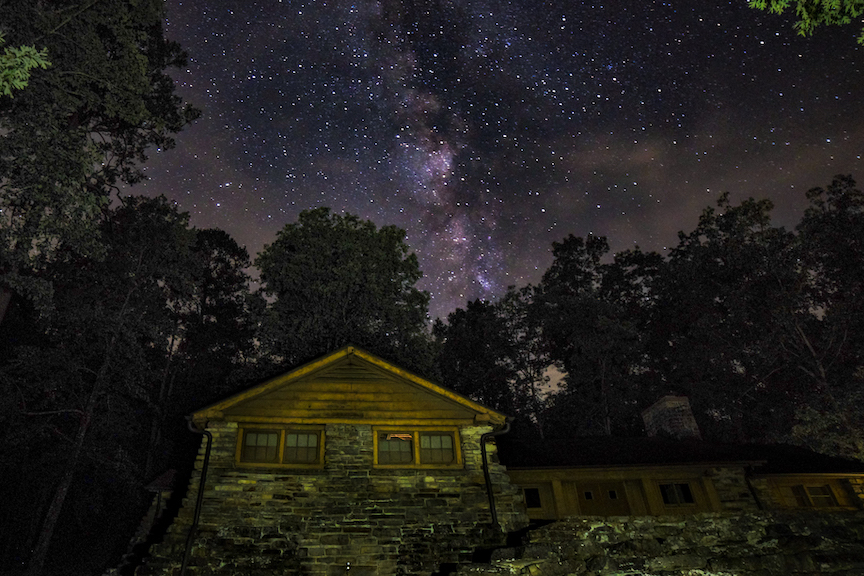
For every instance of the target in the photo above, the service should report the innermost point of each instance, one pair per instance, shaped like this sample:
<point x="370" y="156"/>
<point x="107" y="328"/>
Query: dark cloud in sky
<point x="489" y="129"/>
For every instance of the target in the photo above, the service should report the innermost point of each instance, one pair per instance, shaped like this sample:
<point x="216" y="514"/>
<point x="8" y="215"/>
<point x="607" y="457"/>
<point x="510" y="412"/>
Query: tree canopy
<point x="81" y="128"/>
<point x="334" y="280"/>
<point x="16" y="62"/>
<point x="811" y="14"/>
<point x="760" y="326"/>
<point x="95" y="392"/>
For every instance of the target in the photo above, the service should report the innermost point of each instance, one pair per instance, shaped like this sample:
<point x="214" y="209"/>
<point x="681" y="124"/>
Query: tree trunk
<point x="40" y="551"/>
<point x="604" y="393"/>
<point x="5" y="298"/>
<point x="820" y="375"/>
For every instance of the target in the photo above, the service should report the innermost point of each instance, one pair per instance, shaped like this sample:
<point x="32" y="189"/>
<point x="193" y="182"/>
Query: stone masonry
<point x="671" y="416"/>
<point x="716" y="544"/>
<point x="347" y="518"/>
<point x="733" y="489"/>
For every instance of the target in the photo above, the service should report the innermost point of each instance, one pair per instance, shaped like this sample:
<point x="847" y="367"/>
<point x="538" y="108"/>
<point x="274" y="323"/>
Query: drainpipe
<point x="194" y="528"/>
<point x="748" y="474"/>
<point x="483" y="439"/>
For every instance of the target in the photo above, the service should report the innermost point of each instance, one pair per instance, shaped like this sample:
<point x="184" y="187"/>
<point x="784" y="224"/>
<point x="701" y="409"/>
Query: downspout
<point x="194" y="528"/>
<point x="483" y="439"/>
<point x="748" y="474"/>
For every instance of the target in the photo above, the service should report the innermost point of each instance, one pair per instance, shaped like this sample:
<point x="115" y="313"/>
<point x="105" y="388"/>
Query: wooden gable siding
<point x="350" y="391"/>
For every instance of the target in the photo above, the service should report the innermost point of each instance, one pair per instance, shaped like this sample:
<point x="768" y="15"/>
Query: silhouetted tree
<point x="827" y="345"/>
<point x="474" y="355"/>
<point x="334" y="280"/>
<point x="715" y="331"/>
<point x="86" y="389"/>
<point x="80" y="129"/>
<point x="590" y="336"/>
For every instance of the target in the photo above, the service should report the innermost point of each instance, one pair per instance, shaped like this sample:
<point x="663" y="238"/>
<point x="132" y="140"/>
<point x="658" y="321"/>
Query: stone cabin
<point x="346" y="465"/>
<point x="672" y="472"/>
<point x="350" y="464"/>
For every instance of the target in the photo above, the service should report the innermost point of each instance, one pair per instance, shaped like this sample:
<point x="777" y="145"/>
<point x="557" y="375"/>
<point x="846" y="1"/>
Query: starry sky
<point x="489" y="129"/>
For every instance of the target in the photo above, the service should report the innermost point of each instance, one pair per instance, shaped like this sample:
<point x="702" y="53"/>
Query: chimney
<point x="671" y="416"/>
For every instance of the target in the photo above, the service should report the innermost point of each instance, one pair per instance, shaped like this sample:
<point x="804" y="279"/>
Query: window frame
<point x="416" y="432"/>
<point x="674" y="484"/>
<point x="282" y="431"/>
<point x="535" y="492"/>
<point x="802" y="491"/>
<point x="261" y="432"/>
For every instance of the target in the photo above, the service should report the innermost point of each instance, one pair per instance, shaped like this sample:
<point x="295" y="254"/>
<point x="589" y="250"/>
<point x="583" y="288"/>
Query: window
<point x="396" y="448"/>
<point x="677" y="494"/>
<point x="613" y="494"/>
<point x="814" y="496"/>
<point x="416" y="448"/>
<point x="436" y="448"/>
<point x="300" y="447"/>
<point x="532" y="498"/>
<point x="260" y="446"/>
<point x="281" y="447"/>
<point x="589" y="495"/>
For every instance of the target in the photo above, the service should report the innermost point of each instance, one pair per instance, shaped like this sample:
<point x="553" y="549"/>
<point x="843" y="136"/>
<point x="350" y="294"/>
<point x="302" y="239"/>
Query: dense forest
<point x="761" y="327"/>
<point x="117" y="317"/>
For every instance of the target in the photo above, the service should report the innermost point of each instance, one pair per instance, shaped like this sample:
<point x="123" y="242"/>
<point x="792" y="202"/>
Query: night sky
<point x="489" y="129"/>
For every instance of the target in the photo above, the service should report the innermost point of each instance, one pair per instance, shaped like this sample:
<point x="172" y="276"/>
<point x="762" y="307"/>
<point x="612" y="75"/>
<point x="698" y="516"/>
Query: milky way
<point x="490" y="129"/>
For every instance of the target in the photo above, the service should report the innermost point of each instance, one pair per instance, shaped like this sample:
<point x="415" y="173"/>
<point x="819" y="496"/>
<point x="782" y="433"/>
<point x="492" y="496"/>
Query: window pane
<point x="685" y="496"/>
<point x="395" y="448"/>
<point x="260" y="446"/>
<point x="801" y="498"/>
<point x="821" y="496"/>
<point x="532" y="498"/>
<point x="676" y="494"/>
<point x="301" y="447"/>
<point x="437" y="448"/>
<point x="668" y="493"/>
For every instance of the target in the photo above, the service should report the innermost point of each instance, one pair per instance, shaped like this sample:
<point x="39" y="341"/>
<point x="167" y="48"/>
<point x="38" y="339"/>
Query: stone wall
<point x="348" y="518"/>
<point x="716" y="544"/>
<point x="855" y="487"/>
<point x="671" y="416"/>
<point x="732" y="488"/>
<point x="850" y="491"/>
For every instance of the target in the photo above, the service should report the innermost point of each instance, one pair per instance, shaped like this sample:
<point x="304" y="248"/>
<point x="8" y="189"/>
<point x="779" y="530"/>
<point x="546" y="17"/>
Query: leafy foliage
<point x="590" y="313"/>
<point x="80" y="129"/>
<point x="16" y="64"/>
<point x="730" y="283"/>
<point x="475" y="347"/>
<point x="762" y="327"/>
<point x="814" y="13"/>
<point x="491" y="353"/>
<point x="335" y="280"/>
<point x="829" y="348"/>
<point x="89" y="390"/>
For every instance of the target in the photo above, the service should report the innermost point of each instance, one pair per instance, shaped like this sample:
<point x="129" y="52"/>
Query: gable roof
<point x="350" y="386"/>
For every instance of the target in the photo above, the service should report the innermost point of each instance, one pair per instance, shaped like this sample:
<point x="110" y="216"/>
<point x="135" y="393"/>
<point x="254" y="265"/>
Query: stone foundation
<point x="347" y="518"/>
<point x="717" y="544"/>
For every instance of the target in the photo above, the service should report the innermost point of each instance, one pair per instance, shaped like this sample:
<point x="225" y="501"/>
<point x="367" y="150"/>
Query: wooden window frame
<point x="802" y="491"/>
<point x="282" y="430"/>
<point x="261" y="432"/>
<point x="536" y="498"/>
<point x="416" y="432"/>
<point x="678" y="505"/>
